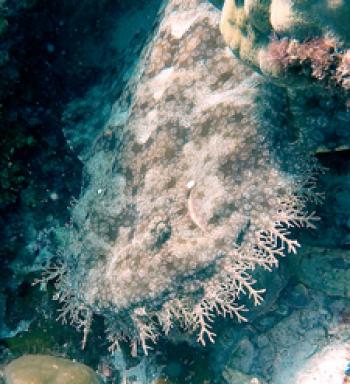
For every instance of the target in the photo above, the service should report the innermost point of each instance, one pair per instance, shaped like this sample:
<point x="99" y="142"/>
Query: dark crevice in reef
<point x="51" y="53"/>
<point x="37" y="167"/>
<point x="337" y="162"/>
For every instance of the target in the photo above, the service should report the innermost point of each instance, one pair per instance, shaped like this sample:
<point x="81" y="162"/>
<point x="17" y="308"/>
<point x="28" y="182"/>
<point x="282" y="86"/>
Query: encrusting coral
<point x="42" y="369"/>
<point x="276" y="36"/>
<point x="302" y="46"/>
<point x="188" y="190"/>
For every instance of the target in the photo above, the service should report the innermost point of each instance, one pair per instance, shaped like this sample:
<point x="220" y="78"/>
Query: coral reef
<point x="275" y="35"/>
<point x="302" y="46"/>
<point x="198" y="174"/>
<point x="189" y="189"/>
<point x="41" y="369"/>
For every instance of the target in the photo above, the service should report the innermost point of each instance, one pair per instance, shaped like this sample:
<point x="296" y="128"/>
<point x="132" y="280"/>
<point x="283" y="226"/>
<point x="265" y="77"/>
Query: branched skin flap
<point x="198" y="188"/>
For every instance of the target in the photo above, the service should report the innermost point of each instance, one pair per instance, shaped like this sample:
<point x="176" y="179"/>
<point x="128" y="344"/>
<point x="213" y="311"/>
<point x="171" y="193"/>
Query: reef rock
<point x="304" y="47"/>
<point x="192" y="185"/>
<point x="261" y="33"/>
<point x="237" y="377"/>
<point x="41" y="369"/>
<point x="331" y="275"/>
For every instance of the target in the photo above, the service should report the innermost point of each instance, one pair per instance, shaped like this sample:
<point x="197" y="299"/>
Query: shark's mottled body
<point x="188" y="190"/>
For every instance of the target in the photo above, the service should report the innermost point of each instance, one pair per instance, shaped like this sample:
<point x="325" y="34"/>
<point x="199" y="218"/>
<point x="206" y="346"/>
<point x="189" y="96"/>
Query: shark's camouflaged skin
<point x="186" y="192"/>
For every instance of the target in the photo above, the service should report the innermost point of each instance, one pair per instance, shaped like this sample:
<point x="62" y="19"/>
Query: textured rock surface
<point x="326" y="366"/>
<point x="331" y="276"/>
<point x="312" y="328"/>
<point x="41" y="369"/>
<point x="236" y="377"/>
